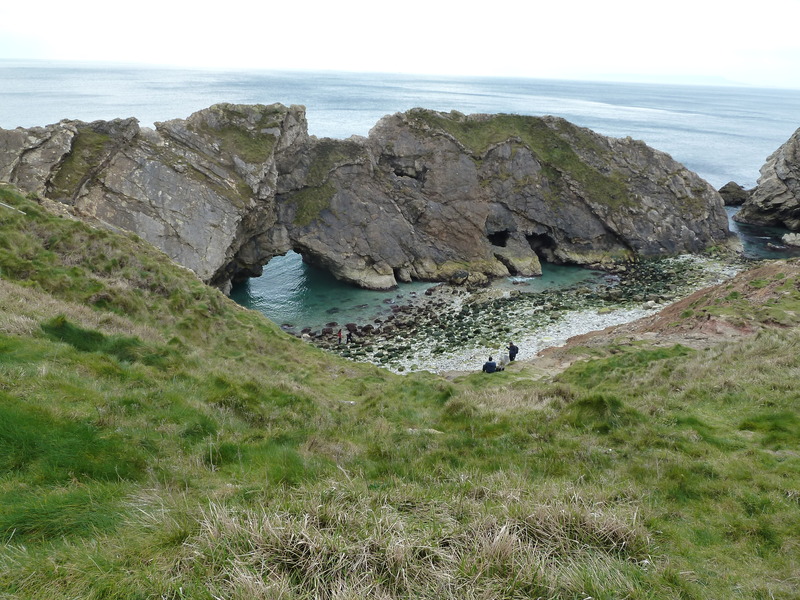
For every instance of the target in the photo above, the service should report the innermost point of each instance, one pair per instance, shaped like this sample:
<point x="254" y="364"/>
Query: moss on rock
<point x="549" y="140"/>
<point x="88" y="152"/>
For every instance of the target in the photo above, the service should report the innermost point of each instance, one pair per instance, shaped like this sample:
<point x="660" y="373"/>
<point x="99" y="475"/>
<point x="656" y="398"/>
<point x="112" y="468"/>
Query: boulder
<point x="791" y="239"/>
<point x="733" y="194"/>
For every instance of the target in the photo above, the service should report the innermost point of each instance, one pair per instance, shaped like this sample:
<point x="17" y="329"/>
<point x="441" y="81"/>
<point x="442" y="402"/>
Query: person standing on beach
<point x="512" y="351"/>
<point x="339" y="335"/>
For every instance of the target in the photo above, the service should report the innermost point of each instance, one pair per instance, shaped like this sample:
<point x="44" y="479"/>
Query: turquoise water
<point x="296" y="295"/>
<point x="722" y="133"/>
<point x="761" y="242"/>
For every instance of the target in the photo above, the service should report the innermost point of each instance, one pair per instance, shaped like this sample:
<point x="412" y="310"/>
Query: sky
<point x="680" y="41"/>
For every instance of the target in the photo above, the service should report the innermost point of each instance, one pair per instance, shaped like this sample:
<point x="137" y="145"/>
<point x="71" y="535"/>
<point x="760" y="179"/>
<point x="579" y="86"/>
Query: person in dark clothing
<point x="349" y="336"/>
<point x="490" y="366"/>
<point x="512" y="352"/>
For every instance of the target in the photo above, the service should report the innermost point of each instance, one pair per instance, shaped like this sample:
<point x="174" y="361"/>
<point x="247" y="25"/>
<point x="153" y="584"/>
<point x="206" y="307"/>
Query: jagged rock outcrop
<point x="733" y="194"/>
<point x="426" y="195"/>
<point x="201" y="189"/>
<point x="776" y="200"/>
<point x="433" y="196"/>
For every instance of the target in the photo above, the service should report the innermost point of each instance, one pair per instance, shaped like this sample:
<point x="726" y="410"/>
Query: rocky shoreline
<point x="454" y="329"/>
<point x="426" y="196"/>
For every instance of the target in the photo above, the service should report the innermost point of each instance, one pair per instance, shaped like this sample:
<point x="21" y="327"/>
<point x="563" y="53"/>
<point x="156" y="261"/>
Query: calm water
<point x="296" y="295"/>
<point x="722" y="133"/>
<point x="761" y="242"/>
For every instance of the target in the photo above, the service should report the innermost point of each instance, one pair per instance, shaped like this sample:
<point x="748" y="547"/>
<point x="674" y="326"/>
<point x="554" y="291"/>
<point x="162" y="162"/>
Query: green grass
<point x="158" y="441"/>
<point x="318" y="192"/>
<point x="123" y="348"/>
<point x="311" y="201"/>
<point x="89" y="149"/>
<point x="253" y="142"/>
<point x="552" y="146"/>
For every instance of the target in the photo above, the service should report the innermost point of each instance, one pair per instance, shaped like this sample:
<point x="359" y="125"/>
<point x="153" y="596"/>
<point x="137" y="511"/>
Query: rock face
<point x="776" y="199"/>
<point x="427" y="195"/>
<point x="201" y="189"/>
<point x="441" y="196"/>
<point x="733" y="194"/>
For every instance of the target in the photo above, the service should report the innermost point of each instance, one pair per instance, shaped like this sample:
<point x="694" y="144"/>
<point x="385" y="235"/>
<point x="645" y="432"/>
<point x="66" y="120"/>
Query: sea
<point x="724" y="133"/>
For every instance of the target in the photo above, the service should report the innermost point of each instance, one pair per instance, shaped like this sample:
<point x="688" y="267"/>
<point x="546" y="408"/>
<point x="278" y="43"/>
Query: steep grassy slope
<point x="158" y="441"/>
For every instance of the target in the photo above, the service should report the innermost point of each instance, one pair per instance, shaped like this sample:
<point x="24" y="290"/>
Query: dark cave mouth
<point x="543" y="244"/>
<point x="499" y="238"/>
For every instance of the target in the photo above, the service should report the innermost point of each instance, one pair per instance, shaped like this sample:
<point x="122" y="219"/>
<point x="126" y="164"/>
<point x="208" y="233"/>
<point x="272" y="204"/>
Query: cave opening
<point x="544" y="246"/>
<point x="499" y="238"/>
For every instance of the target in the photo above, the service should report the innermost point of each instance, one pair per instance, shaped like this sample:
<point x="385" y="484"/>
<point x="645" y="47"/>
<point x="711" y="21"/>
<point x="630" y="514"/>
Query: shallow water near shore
<point x="761" y="243"/>
<point x="296" y="295"/>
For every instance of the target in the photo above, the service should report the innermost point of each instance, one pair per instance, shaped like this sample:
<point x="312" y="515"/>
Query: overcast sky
<point x="750" y="43"/>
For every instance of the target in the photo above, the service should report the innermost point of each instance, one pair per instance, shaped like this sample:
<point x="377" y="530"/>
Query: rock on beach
<point x="465" y="327"/>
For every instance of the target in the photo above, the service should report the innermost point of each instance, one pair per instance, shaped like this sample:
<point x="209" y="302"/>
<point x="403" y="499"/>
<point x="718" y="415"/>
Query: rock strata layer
<point x="427" y="195"/>
<point x="776" y="200"/>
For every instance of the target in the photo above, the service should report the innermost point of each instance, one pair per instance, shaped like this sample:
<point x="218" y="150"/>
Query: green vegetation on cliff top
<point x="551" y="145"/>
<point x="245" y="131"/>
<point x="316" y="196"/>
<point x="89" y="149"/>
<point x="159" y="441"/>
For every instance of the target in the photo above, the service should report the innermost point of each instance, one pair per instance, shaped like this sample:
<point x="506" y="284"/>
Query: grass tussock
<point x="158" y="441"/>
<point x="340" y="539"/>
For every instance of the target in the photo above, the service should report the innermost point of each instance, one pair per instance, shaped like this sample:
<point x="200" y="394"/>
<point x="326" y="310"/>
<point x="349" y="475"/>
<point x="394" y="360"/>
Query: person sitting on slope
<point x="490" y="366"/>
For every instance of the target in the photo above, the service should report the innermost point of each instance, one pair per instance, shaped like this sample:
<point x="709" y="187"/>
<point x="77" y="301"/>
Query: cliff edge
<point x="427" y="195"/>
<point x="776" y="200"/>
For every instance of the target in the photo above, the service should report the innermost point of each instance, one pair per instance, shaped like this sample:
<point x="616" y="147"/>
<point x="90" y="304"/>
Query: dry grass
<point x="23" y="309"/>
<point x="517" y="396"/>
<point x="341" y="541"/>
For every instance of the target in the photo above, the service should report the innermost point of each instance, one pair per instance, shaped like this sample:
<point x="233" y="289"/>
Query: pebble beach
<point x="530" y="342"/>
<point x="453" y="330"/>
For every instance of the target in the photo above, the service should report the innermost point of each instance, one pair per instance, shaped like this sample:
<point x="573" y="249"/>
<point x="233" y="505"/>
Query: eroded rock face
<point x="776" y="200"/>
<point x="426" y="195"/>
<point x="201" y="189"/>
<point x="429" y="195"/>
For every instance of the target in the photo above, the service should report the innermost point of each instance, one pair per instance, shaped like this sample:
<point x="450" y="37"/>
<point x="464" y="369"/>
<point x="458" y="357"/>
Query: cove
<point x="761" y="243"/>
<point x="296" y="295"/>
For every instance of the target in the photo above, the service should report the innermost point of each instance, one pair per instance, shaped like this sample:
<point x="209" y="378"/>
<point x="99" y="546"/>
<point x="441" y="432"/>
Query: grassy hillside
<point x="158" y="441"/>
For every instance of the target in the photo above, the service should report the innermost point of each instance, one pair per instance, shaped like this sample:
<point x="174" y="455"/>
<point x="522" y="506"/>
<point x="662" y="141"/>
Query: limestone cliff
<point x="440" y="195"/>
<point x="426" y="195"/>
<point x="201" y="189"/>
<point x="776" y="199"/>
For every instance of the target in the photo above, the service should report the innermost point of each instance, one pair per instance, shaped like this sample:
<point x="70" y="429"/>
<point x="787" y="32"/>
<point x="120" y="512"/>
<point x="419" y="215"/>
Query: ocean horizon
<point x="724" y="133"/>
